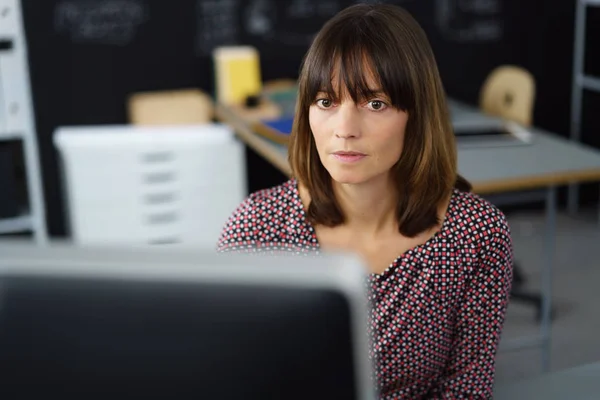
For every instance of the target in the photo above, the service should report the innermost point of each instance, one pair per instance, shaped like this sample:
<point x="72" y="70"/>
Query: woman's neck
<point x="370" y="207"/>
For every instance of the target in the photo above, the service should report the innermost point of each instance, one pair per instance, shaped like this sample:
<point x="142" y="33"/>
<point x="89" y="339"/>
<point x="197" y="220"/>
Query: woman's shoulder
<point x="262" y="216"/>
<point x="475" y="217"/>
<point x="272" y="201"/>
<point x="482" y="233"/>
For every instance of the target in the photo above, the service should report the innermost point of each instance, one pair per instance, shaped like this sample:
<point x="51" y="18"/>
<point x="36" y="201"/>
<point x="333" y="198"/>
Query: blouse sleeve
<point x="470" y="371"/>
<point x="239" y="231"/>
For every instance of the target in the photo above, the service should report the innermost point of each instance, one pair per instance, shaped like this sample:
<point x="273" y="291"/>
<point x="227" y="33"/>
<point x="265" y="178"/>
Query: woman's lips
<point x="349" y="156"/>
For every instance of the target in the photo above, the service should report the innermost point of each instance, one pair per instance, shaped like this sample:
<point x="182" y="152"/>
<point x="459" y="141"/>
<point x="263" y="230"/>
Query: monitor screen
<point x="78" y="335"/>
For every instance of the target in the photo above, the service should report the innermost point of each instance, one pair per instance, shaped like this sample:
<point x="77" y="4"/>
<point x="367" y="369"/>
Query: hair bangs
<point x="346" y="63"/>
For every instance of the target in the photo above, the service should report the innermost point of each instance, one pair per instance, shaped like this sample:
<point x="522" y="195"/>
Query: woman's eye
<point x="324" y="103"/>
<point x="377" y="105"/>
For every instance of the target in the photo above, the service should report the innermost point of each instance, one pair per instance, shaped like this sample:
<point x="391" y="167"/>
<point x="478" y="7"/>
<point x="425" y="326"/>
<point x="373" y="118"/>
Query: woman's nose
<point x="347" y="122"/>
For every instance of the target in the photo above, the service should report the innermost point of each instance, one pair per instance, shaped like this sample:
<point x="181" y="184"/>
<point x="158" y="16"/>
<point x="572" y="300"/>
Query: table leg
<point x="548" y="259"/>
<point x="573" y="199"/>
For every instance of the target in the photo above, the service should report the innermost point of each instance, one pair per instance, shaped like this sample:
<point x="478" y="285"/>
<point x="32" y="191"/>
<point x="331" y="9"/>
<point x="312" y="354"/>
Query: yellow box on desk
<point x="237" y="73"/>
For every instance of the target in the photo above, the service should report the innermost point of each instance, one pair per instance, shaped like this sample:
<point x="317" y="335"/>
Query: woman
<point x="373" y="156"/>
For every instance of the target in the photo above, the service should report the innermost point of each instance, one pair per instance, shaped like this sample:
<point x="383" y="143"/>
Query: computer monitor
<point x="181" y="324"/>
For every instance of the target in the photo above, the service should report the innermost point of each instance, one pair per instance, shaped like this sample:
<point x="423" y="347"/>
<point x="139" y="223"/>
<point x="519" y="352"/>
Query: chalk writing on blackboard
<point x="309" y="9"/>
<point x="217" y="24"/>
<point x="300" y="9"/>
<point x="260" y="17"/>
<point x="327" y="9"/>
<point x="470" y="20"/>
<point x="481" y="7"/>
<point x="261" y="20"/>
<point x="108" y="22"/>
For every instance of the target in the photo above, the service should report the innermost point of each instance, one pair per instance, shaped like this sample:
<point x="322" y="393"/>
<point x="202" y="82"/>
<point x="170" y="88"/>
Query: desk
<point x="579" y="383"/>
<point x="547" y="162"/>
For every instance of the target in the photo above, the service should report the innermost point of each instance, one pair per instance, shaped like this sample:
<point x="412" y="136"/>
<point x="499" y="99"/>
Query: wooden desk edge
<point x="536" y="182"/>
<point x="271" y="154"/>
<point x="254" y="141"/>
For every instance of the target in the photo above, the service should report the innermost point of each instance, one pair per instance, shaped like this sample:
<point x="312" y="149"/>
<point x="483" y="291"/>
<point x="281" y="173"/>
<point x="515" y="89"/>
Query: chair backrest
<point x="171" y="107"/>
<point x="150" y="185"/>
<point x="509" y="92"/>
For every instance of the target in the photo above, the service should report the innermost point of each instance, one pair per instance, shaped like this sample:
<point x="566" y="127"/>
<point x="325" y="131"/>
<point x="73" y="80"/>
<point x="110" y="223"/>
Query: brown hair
<point x="398" y="52"/>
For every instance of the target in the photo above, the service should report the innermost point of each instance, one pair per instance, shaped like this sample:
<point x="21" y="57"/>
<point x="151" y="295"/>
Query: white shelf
<point x="17" y="120"/>
<point x="19" y="224"/>
<point x="10" y="135"/>
<point x="580" y="82"/>
<point x="590" y="82"/>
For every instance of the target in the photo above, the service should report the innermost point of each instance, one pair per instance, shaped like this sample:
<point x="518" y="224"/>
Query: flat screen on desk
<point x="76" y="336"/>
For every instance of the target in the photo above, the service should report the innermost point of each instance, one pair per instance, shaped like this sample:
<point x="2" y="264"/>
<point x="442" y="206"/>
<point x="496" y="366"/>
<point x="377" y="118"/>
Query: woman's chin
<point x="356" y="176"/>
<point x="348" y="178"/>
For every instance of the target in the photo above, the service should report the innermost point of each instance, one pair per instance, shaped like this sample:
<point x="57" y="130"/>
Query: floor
<point x="576" y="294"/>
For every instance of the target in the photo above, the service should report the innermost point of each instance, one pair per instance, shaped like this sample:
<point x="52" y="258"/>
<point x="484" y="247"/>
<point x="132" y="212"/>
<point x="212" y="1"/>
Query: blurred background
<point x="151" y="69"/>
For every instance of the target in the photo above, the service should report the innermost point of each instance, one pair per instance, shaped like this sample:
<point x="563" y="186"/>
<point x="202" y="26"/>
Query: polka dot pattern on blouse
<point x="436" y="312"/>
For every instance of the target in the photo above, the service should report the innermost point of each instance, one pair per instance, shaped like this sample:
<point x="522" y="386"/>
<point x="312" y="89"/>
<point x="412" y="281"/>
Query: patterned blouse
<point x="437" y="311"/>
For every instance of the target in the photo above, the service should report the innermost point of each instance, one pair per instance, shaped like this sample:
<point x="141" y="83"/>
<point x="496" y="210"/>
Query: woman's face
<point x="357" y="143"/>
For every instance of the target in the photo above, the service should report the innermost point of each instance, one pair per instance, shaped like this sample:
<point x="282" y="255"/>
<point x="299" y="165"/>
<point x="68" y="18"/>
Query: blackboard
<point x="108" y="47"/>
<point x="87" y="56"/>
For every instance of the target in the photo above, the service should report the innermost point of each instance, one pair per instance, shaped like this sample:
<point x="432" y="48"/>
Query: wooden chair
<point x="172" y="107"/>
<point x="509" y="92"/>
